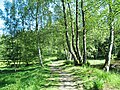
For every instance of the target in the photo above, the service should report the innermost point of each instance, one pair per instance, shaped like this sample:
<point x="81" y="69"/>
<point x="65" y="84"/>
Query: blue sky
<point x="2" y="7"/>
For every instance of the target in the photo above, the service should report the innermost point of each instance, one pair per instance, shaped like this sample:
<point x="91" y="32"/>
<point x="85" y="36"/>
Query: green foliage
<point x="31" y="77"/>
<point x="20" y="16"/>
<point x="88" y="85"/>
<point x="61" y="56"/>
<point x="19" y="43"/>
<point x="95" y="79"/>
<point x="98" y="84"/>
<point x="69" y="62"/>
<point x="118" y="55"/>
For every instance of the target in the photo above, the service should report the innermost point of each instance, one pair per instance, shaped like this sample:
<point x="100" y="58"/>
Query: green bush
<point x="88" y="85"/>
<point x="61" y="56"/>
<point x="118" y="54"/>
<point x="98" y="84"/>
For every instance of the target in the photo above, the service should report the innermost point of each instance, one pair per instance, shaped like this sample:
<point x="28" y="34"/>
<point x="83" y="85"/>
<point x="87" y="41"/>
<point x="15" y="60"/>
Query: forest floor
<point x="59" y="75"/>
<point x="83" y="78"/>
<point x="66" y="80"/>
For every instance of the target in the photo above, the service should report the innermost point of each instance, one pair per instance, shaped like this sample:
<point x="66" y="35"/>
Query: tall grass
<point x="94" y="79"/>
<point x="27" y="78"/>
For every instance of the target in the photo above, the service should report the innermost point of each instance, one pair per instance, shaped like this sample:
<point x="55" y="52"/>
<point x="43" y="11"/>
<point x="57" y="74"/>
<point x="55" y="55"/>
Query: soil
<point x="66" y="80"/>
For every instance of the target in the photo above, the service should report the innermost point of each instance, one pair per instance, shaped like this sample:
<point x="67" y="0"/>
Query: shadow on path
<point x="66" y="80"/>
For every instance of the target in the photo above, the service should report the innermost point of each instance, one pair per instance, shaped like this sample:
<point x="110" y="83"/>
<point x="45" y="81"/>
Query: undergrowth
<point x="93" y="78"/>
<point x="26" y="78"/>
<point x="38" y="78"/>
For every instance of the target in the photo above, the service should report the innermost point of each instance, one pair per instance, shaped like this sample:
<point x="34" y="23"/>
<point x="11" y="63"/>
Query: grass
<point x="35" y="77"/>
<point x="96" y="62"/>
<point x="93" y="78"/>
<point x="2" y="64"/>
<point x="31" y="77"/>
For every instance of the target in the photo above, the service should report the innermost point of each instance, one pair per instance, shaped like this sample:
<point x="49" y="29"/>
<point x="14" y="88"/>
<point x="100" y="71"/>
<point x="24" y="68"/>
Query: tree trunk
<point x="38" y="42"/>
<point x="84" y="33"/>
<point x="67" y="35"/>
<point x="111" y="40"/>
<point x="40" y="56"/>
<point x="77" y="35"/>
<point x="72" y="29"/>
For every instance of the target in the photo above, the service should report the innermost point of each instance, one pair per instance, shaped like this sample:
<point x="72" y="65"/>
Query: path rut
<point x="66" y="79"/>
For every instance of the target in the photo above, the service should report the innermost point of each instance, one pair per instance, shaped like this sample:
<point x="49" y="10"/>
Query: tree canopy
<point x="70" y="29"/>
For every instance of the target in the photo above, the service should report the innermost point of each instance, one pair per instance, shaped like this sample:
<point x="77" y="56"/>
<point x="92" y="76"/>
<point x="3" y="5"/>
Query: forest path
<point x="65" y="79"/>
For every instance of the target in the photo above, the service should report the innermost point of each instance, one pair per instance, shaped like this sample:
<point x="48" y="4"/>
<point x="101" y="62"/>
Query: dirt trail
<point x="66" y="79"/>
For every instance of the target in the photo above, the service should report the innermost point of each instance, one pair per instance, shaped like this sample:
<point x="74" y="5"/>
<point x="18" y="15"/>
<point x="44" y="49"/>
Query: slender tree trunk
<point x="38" y="42"/>
<point x="77" y="35"/>
<point x="72" y="29"/>
<point x="67" y="35"/>
<point x="111" y="40"/>
<point x="40" y="56"/>
<point x="13" y="33"/>
<point x="84" y="33"/>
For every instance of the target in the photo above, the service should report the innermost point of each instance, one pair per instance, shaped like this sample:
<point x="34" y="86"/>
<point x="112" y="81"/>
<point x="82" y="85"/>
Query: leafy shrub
<point x="88" y="85"/>
<point x="98" y="84"/>
<point x="118" y="55"/>
<point x="61" y="56"/>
